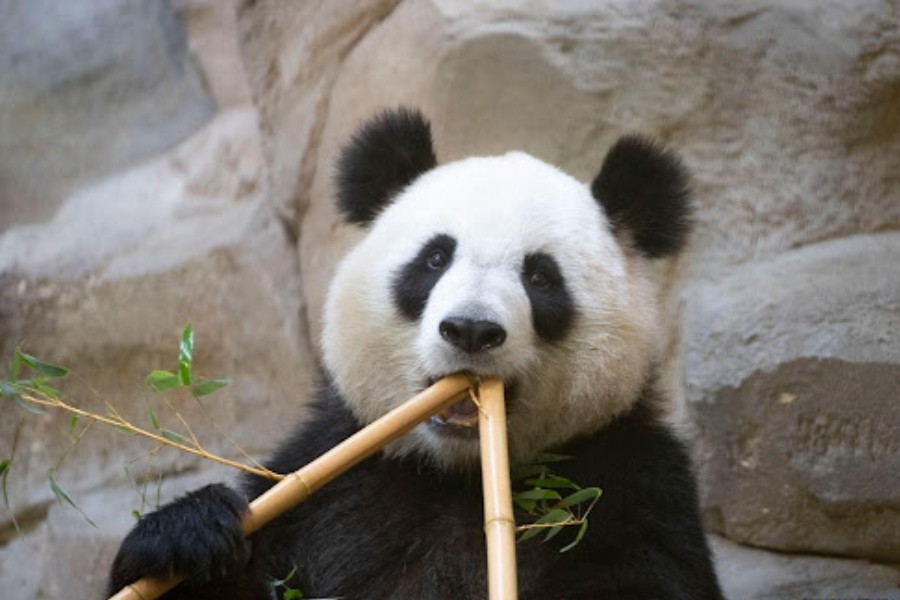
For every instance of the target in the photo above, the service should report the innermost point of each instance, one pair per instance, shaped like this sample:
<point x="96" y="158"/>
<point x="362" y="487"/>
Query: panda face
<point x="503" y="267"/>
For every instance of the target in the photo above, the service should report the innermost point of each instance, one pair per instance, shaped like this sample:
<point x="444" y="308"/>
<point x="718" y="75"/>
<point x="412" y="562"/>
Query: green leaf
<point x="73" y="423"/>
<point x="27" y="406"/>
<point x="124" y="430"/>
<point x="292" y="594"/>
<point x="161" y="381"/>
<point x="40" y="367"/>
<point x="209" y="386"/>
<point x="555" y="515"/>
<point x="4" y="476"/>
<point x="537" y="494"/>
<point x="40" y="385"/>
<point x="552" y="481"/>
<point x="173" y="437"/>
<point x="60" y="493"/>
<point x="526" y="505"/>
<point x="583" y="495"/>
<point x="186" y="355"/>
<point x="136" y="514"/>
<point x="153" y="420"/>
<point x="15" y="366"/>
<point x="552" y="533"/>
<point x="4" y="473"/>
<point x="578" y="537"/>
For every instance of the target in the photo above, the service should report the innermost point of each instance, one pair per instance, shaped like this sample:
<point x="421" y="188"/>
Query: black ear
<point x="644" y="190"/>
<point x="387" y="154"/>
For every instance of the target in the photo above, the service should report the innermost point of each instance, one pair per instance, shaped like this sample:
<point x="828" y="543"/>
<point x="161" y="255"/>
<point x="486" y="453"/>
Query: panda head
<point x="500" y="266"/>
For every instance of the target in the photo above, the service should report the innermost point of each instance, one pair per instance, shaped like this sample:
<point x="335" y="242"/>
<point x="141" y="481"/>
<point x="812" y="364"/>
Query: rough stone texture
<point x="88" y="86"/>
<point x="793" y="371"/>
<point x="293" y="51"/>
<point x="753" y="574"/>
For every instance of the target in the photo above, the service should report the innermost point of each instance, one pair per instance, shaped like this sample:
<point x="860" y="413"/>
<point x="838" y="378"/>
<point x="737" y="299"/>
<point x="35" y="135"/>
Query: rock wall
<point x="785" y="339"/>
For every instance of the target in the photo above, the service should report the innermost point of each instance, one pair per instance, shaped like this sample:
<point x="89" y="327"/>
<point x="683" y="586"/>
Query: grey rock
<point x="793" y="378"/>
<point x="87" y="87"/>
<point x="753" y="574"/>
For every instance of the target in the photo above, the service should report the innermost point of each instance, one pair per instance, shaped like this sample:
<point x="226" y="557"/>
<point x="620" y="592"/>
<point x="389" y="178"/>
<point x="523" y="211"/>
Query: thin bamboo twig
<point x="297" y="486"/>
<point x="499" y="523"/>
<point x="117" y="420"/>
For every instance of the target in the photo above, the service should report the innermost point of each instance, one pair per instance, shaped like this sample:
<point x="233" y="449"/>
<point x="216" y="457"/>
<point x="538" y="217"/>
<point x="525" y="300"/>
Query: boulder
<point x="792" y="369"/>
<point x="89" y="86"/>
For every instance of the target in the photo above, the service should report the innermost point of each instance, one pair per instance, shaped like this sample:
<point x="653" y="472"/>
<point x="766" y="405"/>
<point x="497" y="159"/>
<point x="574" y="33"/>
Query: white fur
<point x="498" y="209"/>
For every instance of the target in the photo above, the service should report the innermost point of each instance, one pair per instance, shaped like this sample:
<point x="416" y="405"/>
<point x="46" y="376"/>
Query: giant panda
<point x="499" y="266"/>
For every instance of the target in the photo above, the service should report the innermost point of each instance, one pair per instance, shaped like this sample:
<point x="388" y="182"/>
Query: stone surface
<point x="793" y="371"/>
<point x="753" y="574"/>
<point x="87" y="87"/>
<point x="292" y="52"/>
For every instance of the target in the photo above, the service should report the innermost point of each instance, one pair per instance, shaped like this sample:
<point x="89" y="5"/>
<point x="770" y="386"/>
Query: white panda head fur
<point x="500" y="266"/>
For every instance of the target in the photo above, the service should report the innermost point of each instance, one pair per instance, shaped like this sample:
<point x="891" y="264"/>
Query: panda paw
<point x="198" y="537"/>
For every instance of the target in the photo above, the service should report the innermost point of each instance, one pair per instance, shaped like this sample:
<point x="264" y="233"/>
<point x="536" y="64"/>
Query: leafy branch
<point x="545" y="500"/>
<point x="37" y="391"/>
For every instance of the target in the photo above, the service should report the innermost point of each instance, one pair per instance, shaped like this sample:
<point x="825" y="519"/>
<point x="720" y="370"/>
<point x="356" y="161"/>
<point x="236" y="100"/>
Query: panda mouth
<point x="460" y="419"/>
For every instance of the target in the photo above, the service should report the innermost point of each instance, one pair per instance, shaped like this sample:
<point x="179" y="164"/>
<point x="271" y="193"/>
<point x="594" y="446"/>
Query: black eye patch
<point x="552" y="308"/>
<point x="413" y="283"/>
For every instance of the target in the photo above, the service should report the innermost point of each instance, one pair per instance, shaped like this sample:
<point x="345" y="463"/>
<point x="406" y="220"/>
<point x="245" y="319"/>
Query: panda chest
<point x="387" y="532"/>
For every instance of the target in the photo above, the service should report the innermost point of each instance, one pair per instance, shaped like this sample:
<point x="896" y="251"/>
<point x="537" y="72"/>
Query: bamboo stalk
<point x="296" y="487"/>
<point x="499" y="523"/>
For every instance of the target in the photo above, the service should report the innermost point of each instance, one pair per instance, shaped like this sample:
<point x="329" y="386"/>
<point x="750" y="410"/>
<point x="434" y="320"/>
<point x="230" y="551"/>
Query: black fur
<point x="644" y="190"/>
<point x="400" y="529"/>
<point x="413" y="283"/>
<point x="552" y="308"/>
<point x="387" y="154"/>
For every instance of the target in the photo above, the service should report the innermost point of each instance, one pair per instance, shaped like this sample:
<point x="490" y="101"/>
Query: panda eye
<point x="539" y="280"/>
<point x="437" y="259"/>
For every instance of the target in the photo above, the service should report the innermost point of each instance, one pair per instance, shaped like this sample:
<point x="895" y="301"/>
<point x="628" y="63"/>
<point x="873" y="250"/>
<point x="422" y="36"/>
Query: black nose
<point x="472" y="336"/>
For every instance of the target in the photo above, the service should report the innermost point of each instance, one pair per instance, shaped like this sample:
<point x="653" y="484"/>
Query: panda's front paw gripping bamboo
<point x="297" y="487"/>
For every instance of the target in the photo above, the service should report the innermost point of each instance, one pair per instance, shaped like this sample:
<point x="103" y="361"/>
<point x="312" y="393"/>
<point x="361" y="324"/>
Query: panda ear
<point x="384" y="156"/>
<point x="644" y="190"/>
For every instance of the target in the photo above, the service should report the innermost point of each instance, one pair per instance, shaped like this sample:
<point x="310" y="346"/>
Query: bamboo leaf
<point x="209" y="386"/>
<point x="40" y="367"/>
<point x="537" y="494"/>
<point x="173" y="436"/>
<point x="552" y="533"/>
<point x="60" y="493"/>
<point x="552" y="481"/>
<point x="554" y="515"/>
<point x="582" y="495"/>
<point x="578" y="537"/>
<point x="186" y="355"/>
<point x="161" y="381"/>
<point x="15" y="366"/>
<point x="7" y="388"/>
<point x="153" y="420"/>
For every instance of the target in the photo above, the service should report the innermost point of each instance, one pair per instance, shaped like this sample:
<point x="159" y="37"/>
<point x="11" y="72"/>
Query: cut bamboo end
<point x="499" y="522"/>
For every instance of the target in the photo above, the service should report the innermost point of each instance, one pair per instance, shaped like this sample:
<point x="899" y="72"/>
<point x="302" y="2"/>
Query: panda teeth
<point x="462" y="414"/>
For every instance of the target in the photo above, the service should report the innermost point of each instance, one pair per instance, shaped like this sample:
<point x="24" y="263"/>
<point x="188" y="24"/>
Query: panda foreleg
<point x="197" y="536"/>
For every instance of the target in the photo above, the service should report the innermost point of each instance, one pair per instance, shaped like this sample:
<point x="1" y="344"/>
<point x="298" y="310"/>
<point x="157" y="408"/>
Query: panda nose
<point x="472" y="336"/>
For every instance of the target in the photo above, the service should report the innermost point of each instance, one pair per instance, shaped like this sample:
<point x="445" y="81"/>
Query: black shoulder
<point x="643" y="188"/>
<point x="384" y="156"/>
